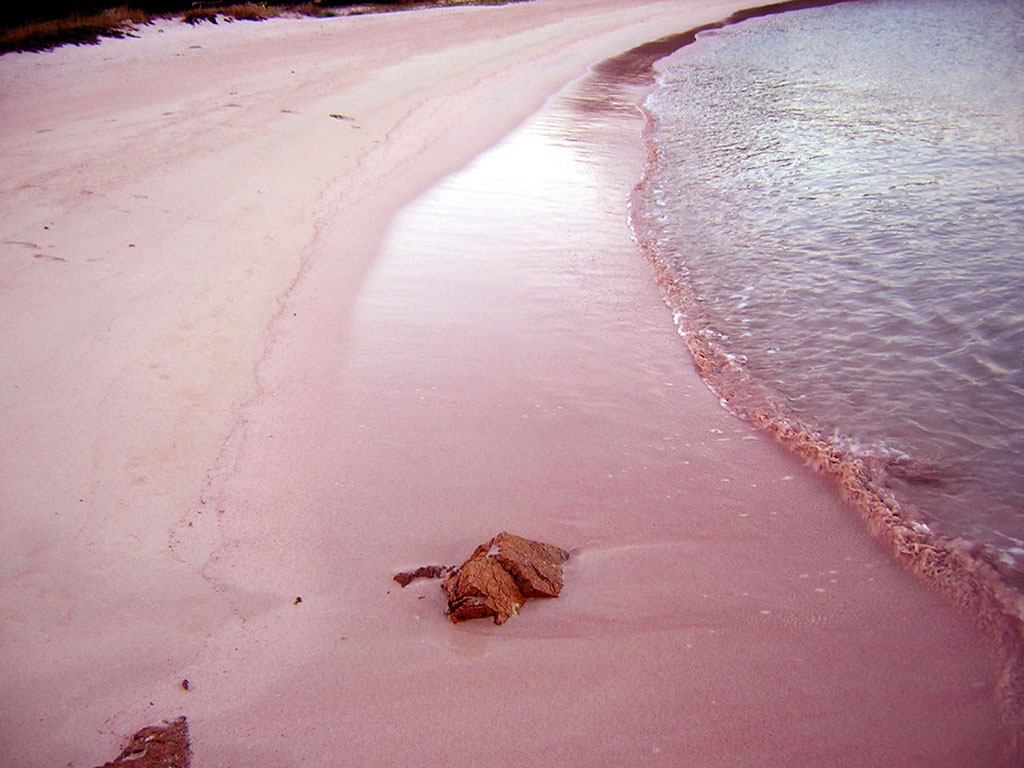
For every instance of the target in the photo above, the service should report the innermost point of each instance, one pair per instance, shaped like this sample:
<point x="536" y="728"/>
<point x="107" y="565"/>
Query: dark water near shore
<point x="840" y="193"/>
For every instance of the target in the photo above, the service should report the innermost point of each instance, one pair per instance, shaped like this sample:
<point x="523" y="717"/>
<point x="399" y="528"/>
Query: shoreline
<point x="304" y="356"/>
<point x="967" y="579"/>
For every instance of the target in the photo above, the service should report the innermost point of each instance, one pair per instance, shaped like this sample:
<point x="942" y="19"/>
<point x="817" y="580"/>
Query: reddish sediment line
<point x="635" y="66"/>
<point x="953" y="567"/>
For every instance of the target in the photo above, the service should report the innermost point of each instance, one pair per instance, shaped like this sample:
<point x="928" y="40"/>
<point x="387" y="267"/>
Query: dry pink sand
<point x="226" y="383"/>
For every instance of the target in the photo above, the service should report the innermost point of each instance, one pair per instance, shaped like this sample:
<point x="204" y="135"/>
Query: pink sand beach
<point x="288" y="307"/>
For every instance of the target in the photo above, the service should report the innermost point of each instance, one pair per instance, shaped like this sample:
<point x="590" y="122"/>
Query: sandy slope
<point x="188" y="221"/>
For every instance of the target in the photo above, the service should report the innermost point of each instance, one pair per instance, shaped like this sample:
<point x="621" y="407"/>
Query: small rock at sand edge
<point x="500" y="575"/>
<point x="156" y="746"/>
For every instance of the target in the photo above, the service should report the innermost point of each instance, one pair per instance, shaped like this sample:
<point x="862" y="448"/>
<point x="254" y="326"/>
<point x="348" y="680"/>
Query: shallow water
<point x="841" y="192"/>
<point x="512" y="367"/>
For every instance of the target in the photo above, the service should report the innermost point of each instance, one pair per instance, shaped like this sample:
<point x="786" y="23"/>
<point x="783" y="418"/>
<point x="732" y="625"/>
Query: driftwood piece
<point x="156" y="746"/>
<point x="500" y="575"/>
<point x="405" y="578"/>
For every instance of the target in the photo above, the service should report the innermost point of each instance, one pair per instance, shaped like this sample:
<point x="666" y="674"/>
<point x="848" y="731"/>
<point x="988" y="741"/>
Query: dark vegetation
<point x="46" y="24"/>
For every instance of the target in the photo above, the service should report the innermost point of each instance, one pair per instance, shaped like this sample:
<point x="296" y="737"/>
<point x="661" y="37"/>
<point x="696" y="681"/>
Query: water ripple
<point x="842" y="190"/>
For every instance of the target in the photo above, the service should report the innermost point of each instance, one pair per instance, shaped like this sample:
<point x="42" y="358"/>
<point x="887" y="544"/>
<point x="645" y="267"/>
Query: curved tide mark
<point x="636" y="66"/>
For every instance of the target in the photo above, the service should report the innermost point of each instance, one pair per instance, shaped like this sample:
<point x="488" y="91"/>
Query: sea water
<point x="839" y="194"/>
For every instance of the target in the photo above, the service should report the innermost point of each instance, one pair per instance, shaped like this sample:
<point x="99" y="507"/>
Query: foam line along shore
<point x="911" y="395"/>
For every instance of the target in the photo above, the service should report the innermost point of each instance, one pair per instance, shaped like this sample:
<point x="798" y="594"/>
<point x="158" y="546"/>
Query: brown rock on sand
<point x="157" y="746"/>
<point x="500" y="575"/>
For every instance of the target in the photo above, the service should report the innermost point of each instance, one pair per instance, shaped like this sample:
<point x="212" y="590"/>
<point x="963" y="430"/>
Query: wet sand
<point x="233" y="376"/>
